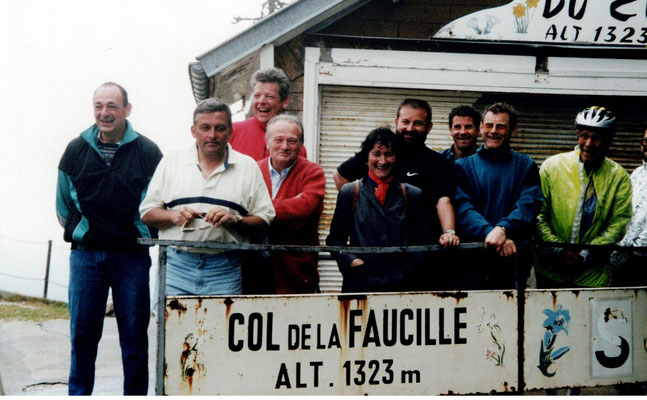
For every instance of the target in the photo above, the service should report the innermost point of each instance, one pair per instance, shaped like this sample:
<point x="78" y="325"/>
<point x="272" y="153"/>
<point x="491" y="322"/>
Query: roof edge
<point x="277" y="28"/>
<point x="199" y="82"/>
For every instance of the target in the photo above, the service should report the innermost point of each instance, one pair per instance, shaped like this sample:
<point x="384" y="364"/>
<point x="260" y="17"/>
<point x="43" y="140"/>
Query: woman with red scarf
<point x="379" y="211"/>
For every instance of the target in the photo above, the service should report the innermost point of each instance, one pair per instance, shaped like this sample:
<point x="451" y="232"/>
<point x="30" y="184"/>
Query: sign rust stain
<point x="228" y="302"/>
<point x="177" y="306"/>
<point x="190" y="363"/>
<point x="456" y="295"/>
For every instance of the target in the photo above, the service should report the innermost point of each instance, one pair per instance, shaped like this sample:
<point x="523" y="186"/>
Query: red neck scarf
<point x="382" y="186"/>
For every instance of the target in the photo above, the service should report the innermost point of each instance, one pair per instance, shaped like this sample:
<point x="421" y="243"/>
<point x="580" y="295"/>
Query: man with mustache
<point x="102" y="177"/>
<point x="498" y="196"/>
<point x="270" y="98"/>
<point x="207" y="192"/>
<point x="464" y="124"/>
<point x="587" y="201"/>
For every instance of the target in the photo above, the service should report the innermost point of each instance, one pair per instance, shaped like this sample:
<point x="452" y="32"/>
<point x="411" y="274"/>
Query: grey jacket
<point x="370" y="224"/>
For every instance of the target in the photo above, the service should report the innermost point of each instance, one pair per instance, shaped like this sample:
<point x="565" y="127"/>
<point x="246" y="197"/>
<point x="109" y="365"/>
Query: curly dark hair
<point x="385" y="137"/>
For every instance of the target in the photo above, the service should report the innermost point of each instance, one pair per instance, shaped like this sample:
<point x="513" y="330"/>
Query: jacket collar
<point x="90" y="136"/>
<point x="503" y="150"/>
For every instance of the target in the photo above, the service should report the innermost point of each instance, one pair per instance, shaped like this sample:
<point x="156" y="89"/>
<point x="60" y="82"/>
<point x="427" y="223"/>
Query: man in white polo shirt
<point x="208" y="192"/>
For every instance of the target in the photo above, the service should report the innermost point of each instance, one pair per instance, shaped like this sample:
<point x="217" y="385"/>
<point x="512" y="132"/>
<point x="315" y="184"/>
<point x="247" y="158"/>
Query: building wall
<point x="290" y="57"/>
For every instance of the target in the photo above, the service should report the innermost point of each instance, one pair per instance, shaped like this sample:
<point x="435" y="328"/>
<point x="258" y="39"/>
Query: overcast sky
<point x="54" y="54"/>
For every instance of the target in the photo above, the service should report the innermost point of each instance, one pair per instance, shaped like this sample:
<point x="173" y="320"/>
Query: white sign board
<point x="595" y="22"/>
<point x="422" y="344"/>
<point x="587" y="337"/>
<point x="611" y="337"/>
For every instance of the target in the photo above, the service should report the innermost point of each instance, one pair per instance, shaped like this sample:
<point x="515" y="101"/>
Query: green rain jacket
<point x="563" y="182"/>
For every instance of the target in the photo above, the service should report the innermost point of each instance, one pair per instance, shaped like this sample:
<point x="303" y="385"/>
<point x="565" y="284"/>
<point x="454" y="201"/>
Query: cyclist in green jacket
<point x="587" y="200"/>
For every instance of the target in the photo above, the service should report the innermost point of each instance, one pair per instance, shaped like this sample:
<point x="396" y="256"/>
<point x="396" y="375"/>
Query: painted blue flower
<point x="557" y="320"/>
<point x="549" y="339"/>
<point x="559" y="352"/>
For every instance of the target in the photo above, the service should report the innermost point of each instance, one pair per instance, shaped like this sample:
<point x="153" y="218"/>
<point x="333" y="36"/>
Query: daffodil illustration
<point x="519" y="10"/>
<point x="523" y="15"/>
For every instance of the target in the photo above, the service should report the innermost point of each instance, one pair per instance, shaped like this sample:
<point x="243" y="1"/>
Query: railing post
<point x="521" y="279"/>
<point x="49" y="258"/>
<point x="161" y="320"/>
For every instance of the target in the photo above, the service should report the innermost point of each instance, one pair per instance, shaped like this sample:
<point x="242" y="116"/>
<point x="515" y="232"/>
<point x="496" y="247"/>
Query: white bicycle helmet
<point x="597" y="118"/>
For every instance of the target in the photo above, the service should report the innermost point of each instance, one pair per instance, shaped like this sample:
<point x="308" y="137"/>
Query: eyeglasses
<point x="594" y="138"/>
<point x="186" y="228"/>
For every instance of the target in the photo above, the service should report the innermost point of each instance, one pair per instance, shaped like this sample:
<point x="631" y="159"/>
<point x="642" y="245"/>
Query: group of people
<point x="491" y="195"/>
<point x="250" y="182"/>
<point x="239" y="183"/>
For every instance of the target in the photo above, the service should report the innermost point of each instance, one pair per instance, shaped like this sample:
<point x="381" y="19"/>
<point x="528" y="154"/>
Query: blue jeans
<point x="91" y="274"/>
<point x="203" y="274"/>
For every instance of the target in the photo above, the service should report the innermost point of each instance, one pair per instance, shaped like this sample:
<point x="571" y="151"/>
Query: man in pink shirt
<point x="271" y="90"/>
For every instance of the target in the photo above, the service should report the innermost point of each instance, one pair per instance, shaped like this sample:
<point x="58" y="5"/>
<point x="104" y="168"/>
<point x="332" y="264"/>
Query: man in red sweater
<point x="271" y="90"/>
<point x="297" y="188"/>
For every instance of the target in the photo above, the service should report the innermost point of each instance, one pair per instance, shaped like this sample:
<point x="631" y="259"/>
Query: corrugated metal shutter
<point x="348" y="114"/>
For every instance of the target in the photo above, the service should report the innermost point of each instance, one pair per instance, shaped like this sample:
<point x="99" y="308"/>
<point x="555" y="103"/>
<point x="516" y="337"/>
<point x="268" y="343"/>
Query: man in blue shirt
<point x="498" y="197"/>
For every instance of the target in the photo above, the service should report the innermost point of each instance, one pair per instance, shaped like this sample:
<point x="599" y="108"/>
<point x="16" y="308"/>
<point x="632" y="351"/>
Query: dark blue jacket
<point x="97" y="204"/>
<point x="497" y="188"/>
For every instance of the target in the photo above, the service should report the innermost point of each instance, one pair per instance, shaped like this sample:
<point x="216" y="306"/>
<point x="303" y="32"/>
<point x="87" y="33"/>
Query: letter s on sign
<point x="608" y="336"/>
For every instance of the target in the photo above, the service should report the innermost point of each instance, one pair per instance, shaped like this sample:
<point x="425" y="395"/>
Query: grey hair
<point x="284" y="117"/>
<point x="212" y="105"/>
<point x="124" y="94"/>
<point x="273" y="75"/>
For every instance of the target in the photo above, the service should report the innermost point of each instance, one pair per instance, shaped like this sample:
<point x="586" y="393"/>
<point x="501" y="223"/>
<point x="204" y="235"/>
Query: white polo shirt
<point x="237" y="185"/>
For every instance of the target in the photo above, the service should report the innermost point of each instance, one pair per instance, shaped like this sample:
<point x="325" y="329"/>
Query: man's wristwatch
<point x="239" y="219"/>
<point x="453" y="232"/>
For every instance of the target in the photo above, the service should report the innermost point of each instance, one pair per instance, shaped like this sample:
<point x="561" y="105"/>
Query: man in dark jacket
<point x="498" y="197"/>
<point x="102" y="178"/>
